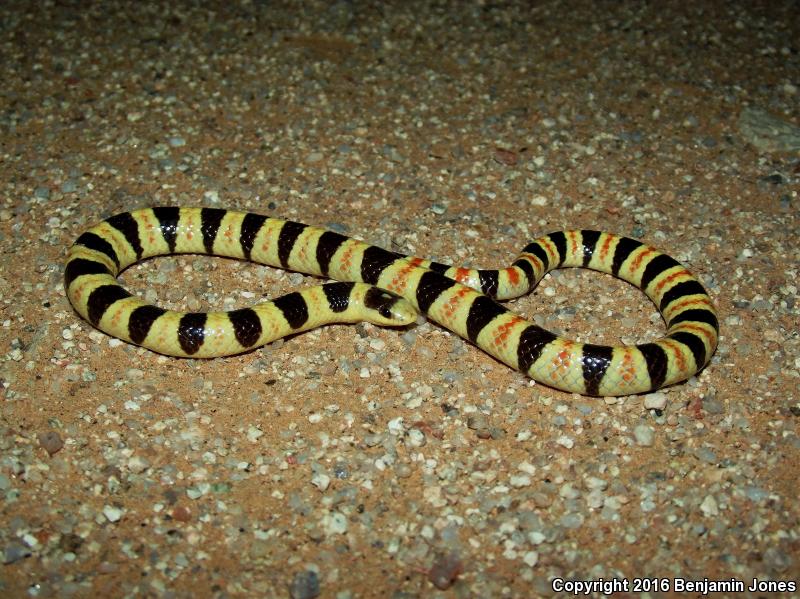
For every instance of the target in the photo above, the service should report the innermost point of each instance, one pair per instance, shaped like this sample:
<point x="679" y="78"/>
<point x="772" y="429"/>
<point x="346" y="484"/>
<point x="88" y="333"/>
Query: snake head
<point x="387" y="309"/>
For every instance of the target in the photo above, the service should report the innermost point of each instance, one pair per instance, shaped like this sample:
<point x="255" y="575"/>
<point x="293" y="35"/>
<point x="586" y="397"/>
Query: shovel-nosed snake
<point x="388" y="288"/>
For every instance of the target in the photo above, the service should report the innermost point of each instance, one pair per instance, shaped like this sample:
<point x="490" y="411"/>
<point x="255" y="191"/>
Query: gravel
<point x="357" y="461"/>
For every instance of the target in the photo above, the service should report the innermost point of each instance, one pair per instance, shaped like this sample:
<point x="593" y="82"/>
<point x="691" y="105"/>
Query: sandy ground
<point x="355" y="461"/>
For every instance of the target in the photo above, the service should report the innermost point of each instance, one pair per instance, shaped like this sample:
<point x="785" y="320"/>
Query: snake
<point x="372" y="284"/>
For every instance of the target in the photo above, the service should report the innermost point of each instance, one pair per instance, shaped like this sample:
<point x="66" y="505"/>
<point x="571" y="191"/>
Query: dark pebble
<point x="712" y="405"/>
<point x="341" y="471"/>
<point x="51" y="442"/>
<point x="477" y="422"/>
<point x="773" y="179"/>
<point x="14" y="552"/>
<point x="70" y="542"/>
<point x="305" y="585"/>
<point x="445" y="571"/>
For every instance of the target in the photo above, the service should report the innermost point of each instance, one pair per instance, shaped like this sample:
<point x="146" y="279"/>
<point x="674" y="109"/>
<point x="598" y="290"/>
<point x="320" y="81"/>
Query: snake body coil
<point x="460" y="299"/>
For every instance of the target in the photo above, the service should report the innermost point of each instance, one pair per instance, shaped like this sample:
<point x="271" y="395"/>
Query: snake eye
<point x="381" y="301"/>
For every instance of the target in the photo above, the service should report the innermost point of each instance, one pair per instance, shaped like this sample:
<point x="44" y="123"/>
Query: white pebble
<point x="530" y="558"/>
<point x="416" y="437"/>
<point x="655" y="401"/>
<point x="335" y="523"/>
<point x="396" y="426"/>
<point x="539" y="200"/>
<point x="709" y="506"/>
<point x="137" y="464"/>
<point x="536" y="537"/>
<point x="565" y="441"/>
<point x="113" y="514"/>
<point x="593" y="483"/>
<point x="321" y="481"/>
<point x="254" y="434"/>
<point x="527" y="468"/>
<point x="520" y="480"/>
<point x="733" y="320"/>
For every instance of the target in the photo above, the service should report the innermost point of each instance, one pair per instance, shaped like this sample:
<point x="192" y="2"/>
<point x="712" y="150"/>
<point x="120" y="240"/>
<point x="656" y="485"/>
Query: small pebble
<point x="530" y="558"/>
<point x="571" y="520"/>
<point x="568" y="491"/>
<point x="445" y="571"/>
<point x="593" y="483"/>
<point x="480" y="424"/>
<point x="315" y="157"/>
<point x="51" y="442"/>
<point x="69" y="186"/>
<point x="712" y="405"/>
<point x="137" y="464"/>
<point x="396" y="426"/>
<point x="334" y="523"/>
<point x="182" y="514"/>
<point x="655" y="401"/>
<point x="644" y="435"/>
<point x="777" y="559"/>
<point x="565" y="441"/>
<point x="704" y="454"/>
<point x="709" y="506"/>
<point x="321" y="481"/>
<point x="305" y="585"/>
<point x="755" y="494"/>
<point x="134" y="374"/>
<point x="416" y="438"/>
<point x="520" y="480"/>
<point x="536" y="537"/>
<point x="112" y="513"/>
<point x="14" y="552"/>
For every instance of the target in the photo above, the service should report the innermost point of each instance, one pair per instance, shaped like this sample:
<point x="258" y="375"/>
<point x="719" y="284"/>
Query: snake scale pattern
<point x="388" y="288"/>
